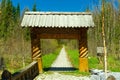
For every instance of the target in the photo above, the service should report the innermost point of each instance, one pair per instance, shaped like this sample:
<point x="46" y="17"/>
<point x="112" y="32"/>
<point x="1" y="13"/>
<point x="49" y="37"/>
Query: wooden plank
<point x="58" y="36"/>
<point x="26" y="73"/>
<point x="55" y="30"/>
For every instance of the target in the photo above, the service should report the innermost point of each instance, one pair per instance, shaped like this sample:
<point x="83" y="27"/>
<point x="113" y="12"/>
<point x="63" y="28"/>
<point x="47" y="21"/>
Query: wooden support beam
<point x="58" y="36"/>
<point x="36" y="51"/>
<point x="83" y="52"/>
<point x="40" y="65"/>
<point x="83" y="64"/>
<point x="35" y="47"/>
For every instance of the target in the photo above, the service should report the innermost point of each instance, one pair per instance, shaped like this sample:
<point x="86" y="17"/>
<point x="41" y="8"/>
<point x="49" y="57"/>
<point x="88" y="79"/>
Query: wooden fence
<point x="27" y="73"/>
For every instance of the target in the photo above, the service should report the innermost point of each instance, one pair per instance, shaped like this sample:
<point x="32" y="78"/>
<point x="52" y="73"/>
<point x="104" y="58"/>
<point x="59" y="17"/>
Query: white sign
<point x="100" y="50"/>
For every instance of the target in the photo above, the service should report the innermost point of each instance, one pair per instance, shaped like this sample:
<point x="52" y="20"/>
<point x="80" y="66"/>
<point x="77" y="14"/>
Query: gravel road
<point x="62" y="60"/>
<point x="57" y="76"/>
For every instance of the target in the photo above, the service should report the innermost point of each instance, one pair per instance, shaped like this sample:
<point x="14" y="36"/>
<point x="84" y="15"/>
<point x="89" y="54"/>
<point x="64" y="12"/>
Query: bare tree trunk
<point x="104" y="42"/>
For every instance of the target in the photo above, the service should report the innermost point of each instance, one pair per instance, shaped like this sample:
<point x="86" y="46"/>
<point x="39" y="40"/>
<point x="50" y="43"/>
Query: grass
<point x="49" y="58"/>
<point x="113" y="64"/>
<point x="94" y="63"/>
<point x="14" y="62"/>
<point x="74" y="57"/>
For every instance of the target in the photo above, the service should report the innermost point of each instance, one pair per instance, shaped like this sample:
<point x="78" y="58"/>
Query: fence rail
<point x="27" y="73"/>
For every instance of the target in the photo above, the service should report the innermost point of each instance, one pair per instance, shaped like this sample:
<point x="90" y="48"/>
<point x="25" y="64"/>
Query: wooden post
<point x="36" y="51"/>
<point x="40" y="65"/>
<point x="83" y="52"/>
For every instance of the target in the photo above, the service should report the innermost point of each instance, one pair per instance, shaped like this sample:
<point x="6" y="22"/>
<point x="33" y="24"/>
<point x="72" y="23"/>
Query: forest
<point x="15" y="41"/>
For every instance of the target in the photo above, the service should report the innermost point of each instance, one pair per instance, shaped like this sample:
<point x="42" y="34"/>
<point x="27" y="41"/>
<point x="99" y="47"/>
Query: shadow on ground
<point x="60" y="69"/>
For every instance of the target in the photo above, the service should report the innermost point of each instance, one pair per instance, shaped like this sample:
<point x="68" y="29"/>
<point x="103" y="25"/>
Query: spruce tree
<point x="34" y="8"/>
<point x="3" y="19"/>
<point x="18" y="11"/>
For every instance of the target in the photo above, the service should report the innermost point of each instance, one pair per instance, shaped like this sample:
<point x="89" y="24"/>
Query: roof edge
<point x="57" y="13"/>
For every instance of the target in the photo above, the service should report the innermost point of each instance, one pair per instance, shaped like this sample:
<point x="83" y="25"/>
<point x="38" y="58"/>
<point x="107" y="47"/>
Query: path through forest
<point x="62" y="60"/>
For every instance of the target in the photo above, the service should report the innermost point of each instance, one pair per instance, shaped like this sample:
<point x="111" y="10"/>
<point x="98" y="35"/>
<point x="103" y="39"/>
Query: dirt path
<point x="62" y="60"/>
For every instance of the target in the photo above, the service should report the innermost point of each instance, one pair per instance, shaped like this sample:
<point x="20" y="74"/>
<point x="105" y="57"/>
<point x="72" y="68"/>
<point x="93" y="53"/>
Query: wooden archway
<point x="60" y="33"/>
<point x="47" y="25"/>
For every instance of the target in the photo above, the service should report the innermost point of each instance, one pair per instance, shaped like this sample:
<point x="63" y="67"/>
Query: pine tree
<point x="2" y="19"/>
<point x="34" y="8"/>
<point x="18" y="11"/>
<point x="9" y="17"/>
<point x="3" y="4"/>
<point x="16" y="14"/>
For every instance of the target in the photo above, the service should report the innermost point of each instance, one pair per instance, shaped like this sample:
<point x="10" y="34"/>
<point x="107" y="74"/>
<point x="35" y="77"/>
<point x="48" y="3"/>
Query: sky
<point x="57" y="5"/>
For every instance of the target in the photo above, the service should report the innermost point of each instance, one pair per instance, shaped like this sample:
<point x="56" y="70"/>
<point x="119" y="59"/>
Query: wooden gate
<point x="60" y="33"/>
<point x="59" y="25"/>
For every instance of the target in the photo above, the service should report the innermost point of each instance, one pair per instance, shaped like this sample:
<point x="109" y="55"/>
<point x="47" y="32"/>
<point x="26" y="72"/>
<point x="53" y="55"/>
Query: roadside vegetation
<point x="74" y="57"/>
<point x="113" y="63"/>
<point x="48" y="59"/>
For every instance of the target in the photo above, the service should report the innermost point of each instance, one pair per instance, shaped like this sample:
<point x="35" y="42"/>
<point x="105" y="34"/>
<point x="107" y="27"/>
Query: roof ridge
<point x="57" y="13"/>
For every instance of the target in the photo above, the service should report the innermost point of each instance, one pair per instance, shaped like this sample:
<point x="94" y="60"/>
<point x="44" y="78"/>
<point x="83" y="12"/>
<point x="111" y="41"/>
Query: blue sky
<point x="57" y="5"/>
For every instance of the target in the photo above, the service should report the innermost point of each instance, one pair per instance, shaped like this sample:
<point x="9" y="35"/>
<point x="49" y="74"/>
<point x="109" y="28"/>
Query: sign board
<point x="100" y="50"/>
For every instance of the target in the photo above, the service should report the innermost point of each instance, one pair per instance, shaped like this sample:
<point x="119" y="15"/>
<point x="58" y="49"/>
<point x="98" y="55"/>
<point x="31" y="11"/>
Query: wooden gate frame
<point x="80" y="34"/>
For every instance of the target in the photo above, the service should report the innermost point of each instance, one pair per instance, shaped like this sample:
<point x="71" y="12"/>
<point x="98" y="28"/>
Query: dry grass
<point x="16" y="53"/>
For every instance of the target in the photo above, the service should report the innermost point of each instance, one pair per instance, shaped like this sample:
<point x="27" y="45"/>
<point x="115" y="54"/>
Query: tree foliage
<point x="9" y="16"/>
<point x="34" y="8"/>
<point x="112" y="29"/>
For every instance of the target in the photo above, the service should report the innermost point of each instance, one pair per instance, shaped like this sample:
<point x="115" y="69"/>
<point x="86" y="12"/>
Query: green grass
<point x="74" y="57"/>
<point x="113" y="64"/>
<point x="49" y="58"/>
<point x="94" y="63"/>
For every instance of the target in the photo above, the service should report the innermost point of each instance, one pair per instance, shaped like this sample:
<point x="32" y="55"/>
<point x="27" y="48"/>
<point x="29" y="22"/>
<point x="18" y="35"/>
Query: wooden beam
<point x="58" y="36"/>
<point x="57" y="33"/>
<point x="36" y="51"/>
<point x="39" y="30"/>
<point x="40" y="65"/>
<point x="83" y="51"/>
